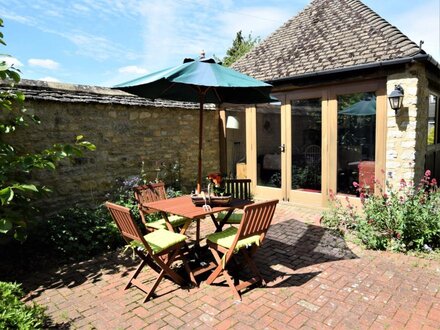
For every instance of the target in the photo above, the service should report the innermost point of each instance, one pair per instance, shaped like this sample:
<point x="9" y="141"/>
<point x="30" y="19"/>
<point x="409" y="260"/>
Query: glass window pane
<point x="235" y="142"/>
<point x="433" y="102"/>
<point x="356" y="141"/>
<point x="268" y="143"/>
<point x="306" y="144"/>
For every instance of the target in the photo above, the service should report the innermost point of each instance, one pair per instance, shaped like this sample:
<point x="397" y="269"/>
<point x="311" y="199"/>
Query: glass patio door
<point x="269" y="152"/>
<point x="305" y="157"/>
<point x="318" y="142"/>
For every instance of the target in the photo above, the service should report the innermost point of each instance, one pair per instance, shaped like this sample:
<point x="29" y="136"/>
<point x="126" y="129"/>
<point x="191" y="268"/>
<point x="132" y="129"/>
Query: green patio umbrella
<point x="361" y="108"/>
<point x="203" y="81"/>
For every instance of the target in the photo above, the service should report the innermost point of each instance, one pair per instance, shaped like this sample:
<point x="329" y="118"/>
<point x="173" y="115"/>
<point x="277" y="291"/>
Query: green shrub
<point x="339" y="217"/>
<point x="404" y="219"/>
<point x="75" y="234"/>
<point x="17" y="188"/>
<point x="14" y="314"/>
<point x="78" y="233"/>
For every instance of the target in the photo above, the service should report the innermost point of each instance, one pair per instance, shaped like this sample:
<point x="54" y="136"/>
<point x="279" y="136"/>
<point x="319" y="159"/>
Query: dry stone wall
<point x="125" y="130"/>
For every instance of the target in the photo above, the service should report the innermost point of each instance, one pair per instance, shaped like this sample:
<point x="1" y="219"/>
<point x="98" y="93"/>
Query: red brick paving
<point x="316" y="281"/>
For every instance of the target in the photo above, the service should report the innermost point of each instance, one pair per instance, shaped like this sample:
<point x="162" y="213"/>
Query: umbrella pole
<point x="199" y="169"/>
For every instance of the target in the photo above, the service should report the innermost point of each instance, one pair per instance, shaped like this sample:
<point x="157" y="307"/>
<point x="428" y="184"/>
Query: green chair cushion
<point x="175" y="221"/>
<point x="226" y="237"/>
<point x="160" y="240"/>
<point x="234" y="219"/>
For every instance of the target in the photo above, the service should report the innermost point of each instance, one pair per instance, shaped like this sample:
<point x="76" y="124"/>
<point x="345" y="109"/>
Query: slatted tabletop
<point x="184" y="207"/>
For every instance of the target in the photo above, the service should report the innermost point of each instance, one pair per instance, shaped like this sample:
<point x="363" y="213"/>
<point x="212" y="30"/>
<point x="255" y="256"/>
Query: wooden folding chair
<point x="243" y="241"/>
<point x="150" y="193"/>
<point x="157" y="249"/>
<point x="237" y="188"/>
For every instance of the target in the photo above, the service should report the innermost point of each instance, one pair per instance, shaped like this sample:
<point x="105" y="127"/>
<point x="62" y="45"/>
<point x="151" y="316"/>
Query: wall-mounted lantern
<point x="232" y="122"/>
<point x="396" y="98"/>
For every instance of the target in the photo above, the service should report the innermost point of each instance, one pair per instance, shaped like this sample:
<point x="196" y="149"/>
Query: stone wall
<point x="126" y="131"/>
<point x="407" y="129"/>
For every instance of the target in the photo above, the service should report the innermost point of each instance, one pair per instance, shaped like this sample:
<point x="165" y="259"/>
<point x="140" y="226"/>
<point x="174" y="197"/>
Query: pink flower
<point x="402" y="183"/>
<point x="331" y="195"/>
<point x="355" y="184"/>
<point x="434" y="182"/>
<point x="428" y="173"/>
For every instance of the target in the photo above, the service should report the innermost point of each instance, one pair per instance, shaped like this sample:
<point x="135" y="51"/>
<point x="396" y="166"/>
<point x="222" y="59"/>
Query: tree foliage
<point x="240" y="46"/>
<point x="17" y="190"/>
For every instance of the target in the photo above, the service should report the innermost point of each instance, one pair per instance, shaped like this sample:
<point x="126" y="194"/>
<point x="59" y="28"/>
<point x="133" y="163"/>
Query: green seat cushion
<point x="234" y="219"/>
<point x="175" y="221"/>
<point x="160" y="240"/>
<point x="226" y="237"/>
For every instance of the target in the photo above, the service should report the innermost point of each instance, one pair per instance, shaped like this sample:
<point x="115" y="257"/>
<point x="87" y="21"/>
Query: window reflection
<point x="306" y="144"/>
<point x="356" y="141"/>
<point x="268" y="143"/>
<point x="433" y="101"/>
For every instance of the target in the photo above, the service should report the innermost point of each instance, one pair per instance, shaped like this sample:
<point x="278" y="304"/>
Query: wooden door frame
<point x="378" y="86"/>
<point x="251" y="156"/>
<point x="303" y="197"/>
<point x="328" y="94"/>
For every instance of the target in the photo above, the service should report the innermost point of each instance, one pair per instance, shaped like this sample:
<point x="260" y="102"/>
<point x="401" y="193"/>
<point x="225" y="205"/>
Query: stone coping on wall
<point x="63" y="92"/>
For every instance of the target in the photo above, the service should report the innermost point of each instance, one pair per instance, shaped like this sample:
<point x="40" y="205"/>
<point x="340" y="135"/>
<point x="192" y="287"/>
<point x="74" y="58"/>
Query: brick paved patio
<point x="316" y="281"/>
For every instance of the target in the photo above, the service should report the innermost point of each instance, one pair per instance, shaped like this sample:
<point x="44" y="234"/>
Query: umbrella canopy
<point x="361" y="108"/>
<point x="203" y="81"/>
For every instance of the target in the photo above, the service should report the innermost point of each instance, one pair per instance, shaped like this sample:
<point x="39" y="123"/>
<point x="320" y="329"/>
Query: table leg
<point x="198" y="232"/>
<point x="167" y="221"/>
<point x="219" y="224"/>
<point x="185" y="226"/>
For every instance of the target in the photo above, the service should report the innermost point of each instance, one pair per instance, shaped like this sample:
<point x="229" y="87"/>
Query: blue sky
<point x="105" y="42"/>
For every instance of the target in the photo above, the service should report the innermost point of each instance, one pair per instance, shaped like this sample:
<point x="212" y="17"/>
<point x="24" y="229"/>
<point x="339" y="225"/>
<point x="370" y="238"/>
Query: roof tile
<point x="328" y="34"/>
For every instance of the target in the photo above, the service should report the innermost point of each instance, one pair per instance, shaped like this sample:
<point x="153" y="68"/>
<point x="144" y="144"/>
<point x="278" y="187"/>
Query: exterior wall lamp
<point x="396" y="98"/>
<point x="232" y="122"/>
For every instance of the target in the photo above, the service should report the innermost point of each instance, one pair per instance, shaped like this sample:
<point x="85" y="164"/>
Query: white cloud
<point x="18" y="18"/>
<point x="11" y="61"/>
<point x="44" y="63"/>
<point x="97" y="47"/>
<point x="49" y="79"/>
<point x="175" y="30"/>
<point x="132" y="69"/>
<point x="260" y="21"/>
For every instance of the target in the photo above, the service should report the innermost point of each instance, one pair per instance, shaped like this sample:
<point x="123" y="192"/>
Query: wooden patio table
<point x="184" y="207"/>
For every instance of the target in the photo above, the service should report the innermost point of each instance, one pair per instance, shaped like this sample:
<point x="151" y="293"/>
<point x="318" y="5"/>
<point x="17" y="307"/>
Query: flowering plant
<point x="400" y="219"/>
<point x="216" y="178"/>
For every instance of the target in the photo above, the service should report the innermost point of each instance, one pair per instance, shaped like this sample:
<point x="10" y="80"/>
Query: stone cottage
<point x="333" y="67"/>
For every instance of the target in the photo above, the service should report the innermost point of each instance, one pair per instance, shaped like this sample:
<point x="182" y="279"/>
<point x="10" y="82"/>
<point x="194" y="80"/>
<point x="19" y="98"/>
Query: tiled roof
<point x="60" y="92"/>
<point x="326" y="35"/>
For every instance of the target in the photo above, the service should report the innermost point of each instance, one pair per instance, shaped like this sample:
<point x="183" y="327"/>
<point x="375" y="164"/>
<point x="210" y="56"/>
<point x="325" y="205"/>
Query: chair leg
<point x="216" y="273"/>
<point x="155" y="285"/>
<point x="166" y="267"/>
<point x="231" y="284"/>
<point x="136" y="273"/>
<point x="253" y="268"/>
<point x="158" y="265"/>
<point x="186" y="265"/>
<point x="220" y="271"/>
